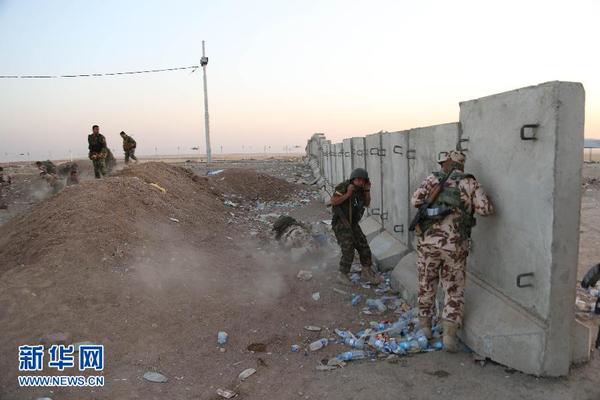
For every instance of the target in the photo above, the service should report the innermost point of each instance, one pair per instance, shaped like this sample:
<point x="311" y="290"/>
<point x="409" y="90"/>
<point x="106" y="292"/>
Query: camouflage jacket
<point x="96" y="143"/>
<point x="128" y="143"/>
<point x="446" y="233"/>
<point x="356" y="202"/>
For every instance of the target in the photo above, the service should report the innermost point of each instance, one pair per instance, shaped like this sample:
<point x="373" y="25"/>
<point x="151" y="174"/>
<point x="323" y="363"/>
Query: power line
<point x="148" y="71"/>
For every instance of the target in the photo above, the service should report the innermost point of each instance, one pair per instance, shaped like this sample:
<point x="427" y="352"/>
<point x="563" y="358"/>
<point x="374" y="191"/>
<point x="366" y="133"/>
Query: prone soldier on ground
<point x="447" y="201"/>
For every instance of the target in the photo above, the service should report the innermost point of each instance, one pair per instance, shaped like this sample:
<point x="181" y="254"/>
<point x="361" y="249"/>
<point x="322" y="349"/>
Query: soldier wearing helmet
<point x="348" y="204"/>
<point x="443" y="241"/>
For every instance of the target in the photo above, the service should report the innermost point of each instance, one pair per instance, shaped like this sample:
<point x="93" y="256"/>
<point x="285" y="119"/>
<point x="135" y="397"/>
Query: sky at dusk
<point x="278" y="70"/>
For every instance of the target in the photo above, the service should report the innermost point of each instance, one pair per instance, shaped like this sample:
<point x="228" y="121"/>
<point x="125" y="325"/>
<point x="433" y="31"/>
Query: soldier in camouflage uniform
<point x="348" y="205"/>
<point x="292" y="234"/>
<point x="443" y="242"/>
<point x="46" y="167"/>
<point x="98" y="151"/>
<point x="129" y="146"/>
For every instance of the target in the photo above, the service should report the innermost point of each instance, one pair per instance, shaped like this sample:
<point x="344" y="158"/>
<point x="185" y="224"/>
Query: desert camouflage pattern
<point x="442" y="251"/>
<point x="444" y="234"/>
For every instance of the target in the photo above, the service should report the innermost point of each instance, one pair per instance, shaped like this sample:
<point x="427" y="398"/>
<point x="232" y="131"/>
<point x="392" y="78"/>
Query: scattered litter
<point x="304" y="275"/>
<point x="245" y="374"/>
<point x="386" y="338"/>
<point x="339" y="291"/>
<point x="230" y="203"/>
<point x="226" y="393"/>
<point x="322" y="367"/>
<point x="174" y="219"/>
<point x="326" y="222"/>
<point x="376" y="304"/>
<point x="257" y="347"/>
<point x="301" y="308"/>
<point x="319" y="344"/>
<point x="355" y="298"/>
<point x="162" y="189"/>
<point x="316" y="296"/>
<point x="313" y="328"/>
<point x="295" y="348"/>
<point x="222" y="337"/>
<point x="336" y="362"/>
<point x="213" y="173"/>
<point x="155" y="377"/>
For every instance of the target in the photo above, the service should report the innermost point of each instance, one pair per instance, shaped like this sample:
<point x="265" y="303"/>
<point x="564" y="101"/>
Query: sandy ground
<point x="160" y="308"/>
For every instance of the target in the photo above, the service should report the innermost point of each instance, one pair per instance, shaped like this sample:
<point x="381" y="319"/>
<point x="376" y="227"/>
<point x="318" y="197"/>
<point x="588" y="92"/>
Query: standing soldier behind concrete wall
<point x="98" y="151"/>
<point x="348" y="204"/>
<point x="443" y="241"/>
<point x="129" y="146"/>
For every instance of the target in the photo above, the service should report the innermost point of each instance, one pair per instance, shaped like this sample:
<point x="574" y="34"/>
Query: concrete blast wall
<point x="524" y="147"/>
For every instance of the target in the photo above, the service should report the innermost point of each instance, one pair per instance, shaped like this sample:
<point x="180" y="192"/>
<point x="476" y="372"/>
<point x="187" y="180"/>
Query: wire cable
<point x="148" y="71"/>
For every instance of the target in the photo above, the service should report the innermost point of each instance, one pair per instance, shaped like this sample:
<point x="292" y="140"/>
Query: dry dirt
<point x="104" y="262"/>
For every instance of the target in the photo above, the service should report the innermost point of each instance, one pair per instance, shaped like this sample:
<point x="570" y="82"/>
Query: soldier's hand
<point x="350" y="189"/>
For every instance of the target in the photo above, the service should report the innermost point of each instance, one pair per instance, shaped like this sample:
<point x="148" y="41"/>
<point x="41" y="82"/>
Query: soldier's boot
<point x="450" y="340"/>
<point x="343" y="279"/>
<point x="368" y="275"/>
<point x="425" y="324"/>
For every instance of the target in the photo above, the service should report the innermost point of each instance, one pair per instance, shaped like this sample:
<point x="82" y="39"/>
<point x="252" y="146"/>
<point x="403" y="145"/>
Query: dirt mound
<point x="252" y="185"/>
<point x="89" y="222"/>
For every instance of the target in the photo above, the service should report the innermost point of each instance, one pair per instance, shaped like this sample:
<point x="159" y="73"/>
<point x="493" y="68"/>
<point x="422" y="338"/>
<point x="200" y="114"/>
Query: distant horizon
<point x="277" y="71"/>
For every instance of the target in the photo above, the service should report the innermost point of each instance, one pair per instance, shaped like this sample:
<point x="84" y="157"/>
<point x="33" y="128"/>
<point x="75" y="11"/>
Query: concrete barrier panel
<point x="525" y="147"/>
<point x="327" y="161"/>
<point x="395" y="211"/>
<point x="339" y="163"/>
<point x="424" y="146"/>
<point x="373" y="166"/>
<point x="347" y="146"/>
<point x="358" y="152"/>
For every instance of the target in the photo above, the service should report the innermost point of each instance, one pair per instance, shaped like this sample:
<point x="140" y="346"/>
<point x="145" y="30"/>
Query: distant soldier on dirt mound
<point x="98" y="151"/>
<point x="48" y="172"/>
<point x="129" y="146"/>
<point x="348" y="204"/>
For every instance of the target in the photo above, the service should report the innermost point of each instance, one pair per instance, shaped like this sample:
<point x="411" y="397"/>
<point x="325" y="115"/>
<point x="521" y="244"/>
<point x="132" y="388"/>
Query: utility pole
<point x="203" y="62"/>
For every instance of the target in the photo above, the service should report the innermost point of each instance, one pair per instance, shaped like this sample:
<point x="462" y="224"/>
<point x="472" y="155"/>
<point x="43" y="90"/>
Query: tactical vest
<point x="356" y="201"/>
<point x="449" y="199"/>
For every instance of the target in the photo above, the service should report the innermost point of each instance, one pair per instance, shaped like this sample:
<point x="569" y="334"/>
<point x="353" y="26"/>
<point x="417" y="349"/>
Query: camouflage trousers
<point x="351" y="239"/>
<point x="130" y="154"/>
<point x="99" y="167"/>
<point x="435" y="265"/>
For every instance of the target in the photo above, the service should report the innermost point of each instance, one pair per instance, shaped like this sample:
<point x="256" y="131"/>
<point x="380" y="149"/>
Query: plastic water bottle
<point x="352" y="355"/>
<point x="295" y="348"/>
<point x="411" y="346"/>
<point x="319" y="344"/>
<point x="222" y="338"/>
<point x="422" y="339"/>
<point x="355" y="299"/>
<point x="354" y="343"/>
<point x="343" y="334"/>
<point x="376" y="343"/>
<point x="377" y="304"/>
<point x="438" y="345"/>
